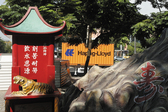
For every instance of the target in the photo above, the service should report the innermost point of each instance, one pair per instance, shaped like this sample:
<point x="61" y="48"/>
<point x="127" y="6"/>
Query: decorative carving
<point x="31" y="87"/>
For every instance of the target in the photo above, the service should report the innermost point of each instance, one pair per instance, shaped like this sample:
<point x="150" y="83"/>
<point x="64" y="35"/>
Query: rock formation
<point x="138" y="84"/>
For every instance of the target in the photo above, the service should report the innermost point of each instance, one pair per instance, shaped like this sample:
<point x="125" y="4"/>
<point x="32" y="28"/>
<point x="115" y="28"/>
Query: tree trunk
<point x="89" y="50"/>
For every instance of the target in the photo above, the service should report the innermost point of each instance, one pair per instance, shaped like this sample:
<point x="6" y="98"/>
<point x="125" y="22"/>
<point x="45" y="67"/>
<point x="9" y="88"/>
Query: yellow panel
<point x="103" y="55"/>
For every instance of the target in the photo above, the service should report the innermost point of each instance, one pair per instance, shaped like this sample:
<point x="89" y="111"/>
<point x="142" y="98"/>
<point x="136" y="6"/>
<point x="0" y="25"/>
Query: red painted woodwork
<point x="33" y="58"/>
<point x="33" y="52"/>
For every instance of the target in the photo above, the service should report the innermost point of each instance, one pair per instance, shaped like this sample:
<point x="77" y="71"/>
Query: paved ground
<point x="2" y="101"/>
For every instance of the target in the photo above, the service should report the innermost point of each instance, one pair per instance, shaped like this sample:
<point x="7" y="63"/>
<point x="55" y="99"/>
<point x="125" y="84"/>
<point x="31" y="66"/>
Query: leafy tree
<point x="51" y="13"/>
<point x="27" y="3"/>
<point x="13" y="14"/>
<point x="8" y="48"/>
<point x="14" y="10"/>
<point x="2" y="46"/>
<point x="123" y="41"/>
<point x="114" y="18"/>
<point x="139" y="48"/>
<point x="149" y="30"/>
<point x="5" y="48"/>
<point x="155" y="3"/>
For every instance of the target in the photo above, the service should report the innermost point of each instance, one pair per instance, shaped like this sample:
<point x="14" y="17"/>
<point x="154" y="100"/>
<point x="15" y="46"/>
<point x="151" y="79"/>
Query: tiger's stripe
<point x="31" y="87"/>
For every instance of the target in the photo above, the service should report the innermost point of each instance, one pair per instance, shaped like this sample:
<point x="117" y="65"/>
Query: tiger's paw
<point x="18" y="93"/>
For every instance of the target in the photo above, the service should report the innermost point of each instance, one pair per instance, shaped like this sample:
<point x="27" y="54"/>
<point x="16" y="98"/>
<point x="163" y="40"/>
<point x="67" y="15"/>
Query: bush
<point x="5" y="47"/>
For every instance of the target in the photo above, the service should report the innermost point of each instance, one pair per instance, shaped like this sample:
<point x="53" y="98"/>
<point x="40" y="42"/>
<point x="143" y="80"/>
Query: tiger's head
<point x="19" y="80"/>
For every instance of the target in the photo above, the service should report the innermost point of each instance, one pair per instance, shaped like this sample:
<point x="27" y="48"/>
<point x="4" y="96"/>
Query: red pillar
<point x="50" y="66"/>
<point x="15" y="67"/>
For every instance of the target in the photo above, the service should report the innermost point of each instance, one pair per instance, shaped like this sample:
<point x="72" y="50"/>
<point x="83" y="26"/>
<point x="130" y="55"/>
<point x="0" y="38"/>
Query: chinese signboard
<point x="31" y="58"/>
<point x="34" y="58"/>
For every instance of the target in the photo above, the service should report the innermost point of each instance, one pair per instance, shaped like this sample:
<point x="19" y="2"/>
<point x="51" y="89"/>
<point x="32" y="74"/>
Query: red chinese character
<point x="146" y="84"/>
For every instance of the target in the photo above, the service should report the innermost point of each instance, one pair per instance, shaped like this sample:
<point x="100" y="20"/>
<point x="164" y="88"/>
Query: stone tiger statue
<point x="31" y="87"/>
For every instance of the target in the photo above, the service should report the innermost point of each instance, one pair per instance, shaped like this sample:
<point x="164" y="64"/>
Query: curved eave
<point x="10" y="32"/>
<point x="6" y="29"/>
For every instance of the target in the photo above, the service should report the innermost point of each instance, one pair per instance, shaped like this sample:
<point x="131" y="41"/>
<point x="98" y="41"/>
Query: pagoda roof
<point x="31" y="23"/>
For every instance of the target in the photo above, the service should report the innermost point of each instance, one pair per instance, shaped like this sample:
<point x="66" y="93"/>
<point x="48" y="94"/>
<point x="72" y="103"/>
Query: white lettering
<point x="26" y="48"/>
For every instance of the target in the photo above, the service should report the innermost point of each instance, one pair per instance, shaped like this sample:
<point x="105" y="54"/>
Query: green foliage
<point x="13" y="14"/>
<point x="14" y="10"/>
<point x="122" y="41"/>
<point x="5" y="48"/>
<point x="2" y="46"/>
<point x="155" y="3"/>
<point x="70" y="21"/>
<point x="53" y="11"/>
<point x="114" y="18"/>
<point x="8" y="48"/>
<point x="149" y="30"/>
<point x="28" y="3"/>
<point x="50" y="10"/>
<point x="49" y="13"/>
<point x="139" y="48"/>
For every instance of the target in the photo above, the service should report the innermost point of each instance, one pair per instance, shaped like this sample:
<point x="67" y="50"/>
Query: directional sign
<point x="69" y="52"/>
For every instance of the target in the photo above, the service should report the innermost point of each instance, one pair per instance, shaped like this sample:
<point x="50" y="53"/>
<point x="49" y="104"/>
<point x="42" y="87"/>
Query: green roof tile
<point x="32" y="23"/>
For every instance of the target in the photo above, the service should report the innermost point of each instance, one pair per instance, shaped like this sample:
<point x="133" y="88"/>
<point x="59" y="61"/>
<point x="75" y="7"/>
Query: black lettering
<point x="103" y="53"/>
<point x="79" y="52"/>
<point x="109" y="54"/>
<point x="98" y="54"/>
<point x="85" y="53"/>
<point x="93" y="53"/>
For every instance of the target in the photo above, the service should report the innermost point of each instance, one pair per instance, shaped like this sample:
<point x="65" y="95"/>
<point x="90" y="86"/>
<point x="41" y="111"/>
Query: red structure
<point x="32" y="49"/>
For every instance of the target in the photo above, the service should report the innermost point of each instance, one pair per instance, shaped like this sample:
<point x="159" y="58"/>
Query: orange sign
<point x="103" y="55"/>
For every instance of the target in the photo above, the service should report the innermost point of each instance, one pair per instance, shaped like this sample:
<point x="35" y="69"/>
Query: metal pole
<point x="134" y="45"/>
<point x="87" y="35"/>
